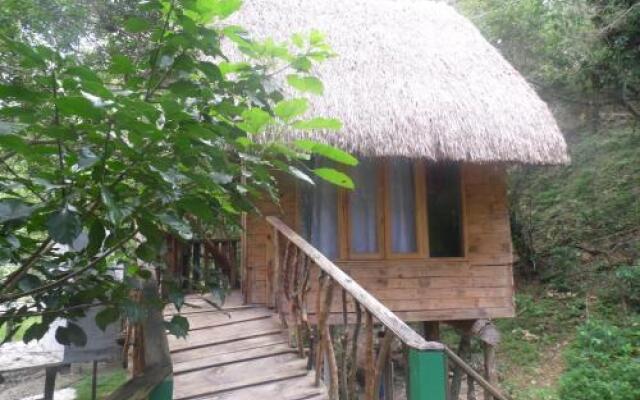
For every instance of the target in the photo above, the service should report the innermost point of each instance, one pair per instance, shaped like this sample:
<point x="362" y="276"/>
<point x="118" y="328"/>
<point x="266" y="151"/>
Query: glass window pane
<point x="403" y="206"/>
<point x="319" y="214"/>
<point x="444" y="204"/>
<point x="363" y="208"/>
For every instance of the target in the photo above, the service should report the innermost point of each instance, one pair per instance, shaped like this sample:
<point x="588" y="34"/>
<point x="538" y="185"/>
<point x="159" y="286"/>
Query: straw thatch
<point x="414" y="79"/>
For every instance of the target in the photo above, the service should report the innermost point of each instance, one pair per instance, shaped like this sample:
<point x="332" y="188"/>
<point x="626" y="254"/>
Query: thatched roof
<point x="414" y="78"/>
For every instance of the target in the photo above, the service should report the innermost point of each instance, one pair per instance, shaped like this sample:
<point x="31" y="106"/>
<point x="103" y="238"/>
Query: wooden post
<point x="156" y="346"/>
<point x="489" y="367"/>
<point x="369" y="373"/>
<point x="428" y="376"/>
<point x="270" y="268"/>
<point x="94" y="380"/>
<point x="464" y="350"/>
<point x="50" y="382"/>
<point x="431" y="330"/>
<point x="388" y="379"/>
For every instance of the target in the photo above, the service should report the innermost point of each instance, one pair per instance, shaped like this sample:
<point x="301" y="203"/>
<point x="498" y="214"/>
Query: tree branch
<point x="63" y="279"/>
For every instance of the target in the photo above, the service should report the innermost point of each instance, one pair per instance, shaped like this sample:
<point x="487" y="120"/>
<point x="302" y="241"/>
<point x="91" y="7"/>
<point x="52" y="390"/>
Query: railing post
<point x="428" y="375"/>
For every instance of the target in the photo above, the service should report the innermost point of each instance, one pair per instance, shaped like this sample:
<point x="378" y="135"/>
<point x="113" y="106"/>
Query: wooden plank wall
<point x="479" y="285"/>
<point x="258" y="234"/>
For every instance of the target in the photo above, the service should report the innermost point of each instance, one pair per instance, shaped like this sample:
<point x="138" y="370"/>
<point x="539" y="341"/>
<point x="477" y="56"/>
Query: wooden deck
<point x="239" y="353"/>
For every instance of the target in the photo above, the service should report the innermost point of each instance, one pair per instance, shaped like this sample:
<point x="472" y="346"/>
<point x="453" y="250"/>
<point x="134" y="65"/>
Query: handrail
<point x="389" y="319"/>
<point x="139" y="387"/>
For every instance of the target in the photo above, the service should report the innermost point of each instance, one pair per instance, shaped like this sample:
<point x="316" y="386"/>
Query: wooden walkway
<point x="239" y="353"/>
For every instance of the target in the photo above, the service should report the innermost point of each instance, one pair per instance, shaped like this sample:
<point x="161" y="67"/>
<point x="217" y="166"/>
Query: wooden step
<point x="215" y="351"/>
<point x="240" y="353"/>
<point x="236" y="376"/>
<point x="234" y="357"/>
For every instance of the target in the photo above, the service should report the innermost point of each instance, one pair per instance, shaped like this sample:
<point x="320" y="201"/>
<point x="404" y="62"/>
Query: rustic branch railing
<point x="291" y="280"/>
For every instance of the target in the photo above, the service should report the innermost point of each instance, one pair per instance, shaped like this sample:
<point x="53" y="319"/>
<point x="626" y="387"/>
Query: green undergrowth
<point x="576" y="229"/>
<point x="108" y="382"/>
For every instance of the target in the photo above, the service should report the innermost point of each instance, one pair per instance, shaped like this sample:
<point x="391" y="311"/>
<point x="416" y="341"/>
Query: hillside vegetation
<point x="577" y="333"/>
<point x="576" y="228"/>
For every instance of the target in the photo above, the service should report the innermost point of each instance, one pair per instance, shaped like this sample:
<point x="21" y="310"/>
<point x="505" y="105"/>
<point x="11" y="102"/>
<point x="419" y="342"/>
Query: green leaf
<point x="288" y="109"/>
<point x="64" y="226"/>
<point x="136" y="25"/>
<point x="84" y="73"/>
<point x="327" y="151"/>
<point x="133" y="310"/>
<point x="319" y="123"/>
<point x="178" y="326"/>
<point x="18" y="92"/>
<point x="206" y="10"/>
<point x="211" y="70"/>
<point x="115" y="213"/>
<point x="12" y="209"/>
<point x="177" y="225"/>
<point x="71" y="334"/>
<point x="29" y="282"/>
<point x="31" y="58"/>
<point x="106" y="317"/>
<point x="334" y="176"/>
<point x="306" y="84"/>
<point x="198" y="207"/>
<point x="255" y="120"/>
<point x="78" y="106"/>
<point x="96" y="237"/>
<point x="122" y="65"/>
<point x="14" y="143"/>
<point x="35" y="331"/>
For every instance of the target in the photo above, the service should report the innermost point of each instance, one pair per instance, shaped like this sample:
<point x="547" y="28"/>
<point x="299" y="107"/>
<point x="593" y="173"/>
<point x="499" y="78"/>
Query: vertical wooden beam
<point x="431" y="330"/>
<point x="369" y="374"/>
<point x="464" y="350"/>
<point x="383" y="360"/>
<point x="354" y="352"/>
<point x="489" y="367"/>
<point x="275" y="245"/>
<point x="269" y="288"/>
<point x="50" y="382"/>
<point x="94" y="380"/>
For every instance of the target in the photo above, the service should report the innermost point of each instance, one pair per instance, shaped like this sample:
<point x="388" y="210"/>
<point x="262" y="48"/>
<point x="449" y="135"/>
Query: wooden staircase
<point x="239" y="353"/>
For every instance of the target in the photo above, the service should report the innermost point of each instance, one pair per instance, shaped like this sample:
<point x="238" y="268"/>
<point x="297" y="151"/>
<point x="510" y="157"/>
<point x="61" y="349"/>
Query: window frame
<point x="384" y="215"/>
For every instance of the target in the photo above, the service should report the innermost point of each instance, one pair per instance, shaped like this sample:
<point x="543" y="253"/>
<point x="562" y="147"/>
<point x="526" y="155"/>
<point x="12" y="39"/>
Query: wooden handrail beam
<point x="138" y="388"/>
<point x="386" y="317"/>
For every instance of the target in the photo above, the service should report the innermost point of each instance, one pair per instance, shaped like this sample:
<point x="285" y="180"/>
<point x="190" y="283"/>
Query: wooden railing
<point x="296" y="270"/>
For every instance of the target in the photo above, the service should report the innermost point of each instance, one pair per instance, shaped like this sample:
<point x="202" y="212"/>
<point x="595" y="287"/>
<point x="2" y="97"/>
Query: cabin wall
<point x="479" y="285"/>
<point x="257" y="236"/>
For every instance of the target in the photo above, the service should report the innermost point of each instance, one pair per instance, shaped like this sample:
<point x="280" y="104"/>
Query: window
<point x="402" y="206"/>
<point x="364" y="205"/>
<point x="444" y="210"/>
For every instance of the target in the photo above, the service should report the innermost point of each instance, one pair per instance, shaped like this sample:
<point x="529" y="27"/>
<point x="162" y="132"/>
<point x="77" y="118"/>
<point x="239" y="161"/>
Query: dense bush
<point x="603" y="363"/>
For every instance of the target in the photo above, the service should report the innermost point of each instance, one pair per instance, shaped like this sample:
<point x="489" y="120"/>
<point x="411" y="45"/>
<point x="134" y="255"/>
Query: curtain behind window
<point x="403" y="206"/>
<point x="319" y="213"/>
<point x="363" y="207"/>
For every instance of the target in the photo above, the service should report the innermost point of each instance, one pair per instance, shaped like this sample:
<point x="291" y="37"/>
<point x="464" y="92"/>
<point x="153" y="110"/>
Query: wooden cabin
<point x="436" y="116"/>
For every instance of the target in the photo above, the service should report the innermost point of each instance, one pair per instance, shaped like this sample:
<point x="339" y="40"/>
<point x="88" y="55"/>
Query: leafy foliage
<point x="146" y="132"/>
<point x="604" y="363"/>
<point x="568" y="49"/>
